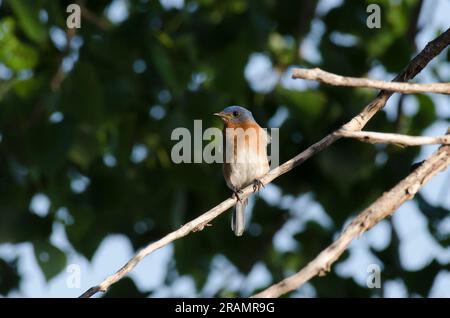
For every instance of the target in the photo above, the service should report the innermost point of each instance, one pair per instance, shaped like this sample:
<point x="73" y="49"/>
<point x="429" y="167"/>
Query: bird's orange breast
<point x="252" y="142"/>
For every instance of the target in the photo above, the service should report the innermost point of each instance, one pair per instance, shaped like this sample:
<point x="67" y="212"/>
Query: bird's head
<point x="235" y="116"/>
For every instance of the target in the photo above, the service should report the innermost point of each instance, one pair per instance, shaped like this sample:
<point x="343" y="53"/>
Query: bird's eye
<point x="235" y="113"/>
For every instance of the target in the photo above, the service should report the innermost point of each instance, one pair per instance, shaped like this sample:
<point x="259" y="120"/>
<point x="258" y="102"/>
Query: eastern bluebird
<point x="245" y="157"/>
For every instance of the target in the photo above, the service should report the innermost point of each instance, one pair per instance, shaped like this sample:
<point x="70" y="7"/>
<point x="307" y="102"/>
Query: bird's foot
<point x="257" y="185"/>
<point x="236" y="195"/>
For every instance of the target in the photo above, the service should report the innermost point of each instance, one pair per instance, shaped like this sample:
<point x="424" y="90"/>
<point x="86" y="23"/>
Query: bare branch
<point x="398" y="139"/>
<point x="431" y="50"/>
<point x="317" y="74"/>
<point x="380" y="209"/>
<point x="101" y="22"/>
<point x="59" y="76"/>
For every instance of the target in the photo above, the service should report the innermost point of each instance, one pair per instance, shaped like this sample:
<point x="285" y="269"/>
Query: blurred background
<point x="86" y="116"/>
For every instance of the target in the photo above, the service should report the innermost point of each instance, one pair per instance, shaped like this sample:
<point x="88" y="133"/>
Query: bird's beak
<point x="223" y="116"/>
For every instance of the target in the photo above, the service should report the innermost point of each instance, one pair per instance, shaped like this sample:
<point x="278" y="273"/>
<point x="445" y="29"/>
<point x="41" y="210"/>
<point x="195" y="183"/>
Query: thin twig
<point x="316" y="74"/>
<point x="100" y="21"/>
<point x="431" y="50"/>
<point x="380" y="209"/>
<point x="397" y="139"/>
<point x="59" y="76"/>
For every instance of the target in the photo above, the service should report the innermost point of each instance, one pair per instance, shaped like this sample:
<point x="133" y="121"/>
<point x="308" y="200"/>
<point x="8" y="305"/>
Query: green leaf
<point x="14" y="54"/>
<point x="5" y="87"/>
<point x="27" y="14"/>
<point x="309" y="104"/>
<point x="82" y="233"/>
<point x="165" y="68"/>
<point x="28" y="87"/>
<point x="398" y="18"/>
<point x="397" y="55"/>
<point x="83" y="95"/>
<point x="51" y="259"/>
<point x="9" y="276"/>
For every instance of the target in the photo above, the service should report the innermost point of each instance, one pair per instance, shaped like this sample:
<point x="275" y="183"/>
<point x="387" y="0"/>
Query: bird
<point x="245" y="158"/>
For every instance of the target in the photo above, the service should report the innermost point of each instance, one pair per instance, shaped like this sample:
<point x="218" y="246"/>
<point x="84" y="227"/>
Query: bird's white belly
<point x="248" y="167"/>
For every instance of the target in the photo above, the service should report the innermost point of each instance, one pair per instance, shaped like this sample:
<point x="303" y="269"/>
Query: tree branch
<point x="431" y="50"/>
<point x="337" y="80"/>
<point x="59" y="76"/>
<point x="101" y="22"/>
<point x="380" y="209"/>
<point x="398" y="139"/>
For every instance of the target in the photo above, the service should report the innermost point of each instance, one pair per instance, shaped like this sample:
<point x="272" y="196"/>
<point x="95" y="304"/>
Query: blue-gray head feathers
<point x="236" y="114"/>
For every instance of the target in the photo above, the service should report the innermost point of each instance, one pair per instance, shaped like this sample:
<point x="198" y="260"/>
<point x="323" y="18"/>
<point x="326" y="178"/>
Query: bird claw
<point x="257" y="185"/>
<point x="236" y="195"/>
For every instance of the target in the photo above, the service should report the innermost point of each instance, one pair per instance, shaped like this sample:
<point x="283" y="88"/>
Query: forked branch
<point x="431" y="50"/>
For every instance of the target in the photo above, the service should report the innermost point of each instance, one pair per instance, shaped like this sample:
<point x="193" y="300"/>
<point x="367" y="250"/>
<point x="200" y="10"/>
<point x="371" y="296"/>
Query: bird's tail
<point x="238" y="218"/>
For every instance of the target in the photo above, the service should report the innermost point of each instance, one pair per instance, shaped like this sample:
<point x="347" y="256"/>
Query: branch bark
<point x="431" y="50"/>
<point x="317" y="74"/>
<point x="101" y="22"/>
<point x="380" y="209"/>
<point x="397" y="139"/>
<point x="59" y="76"/>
